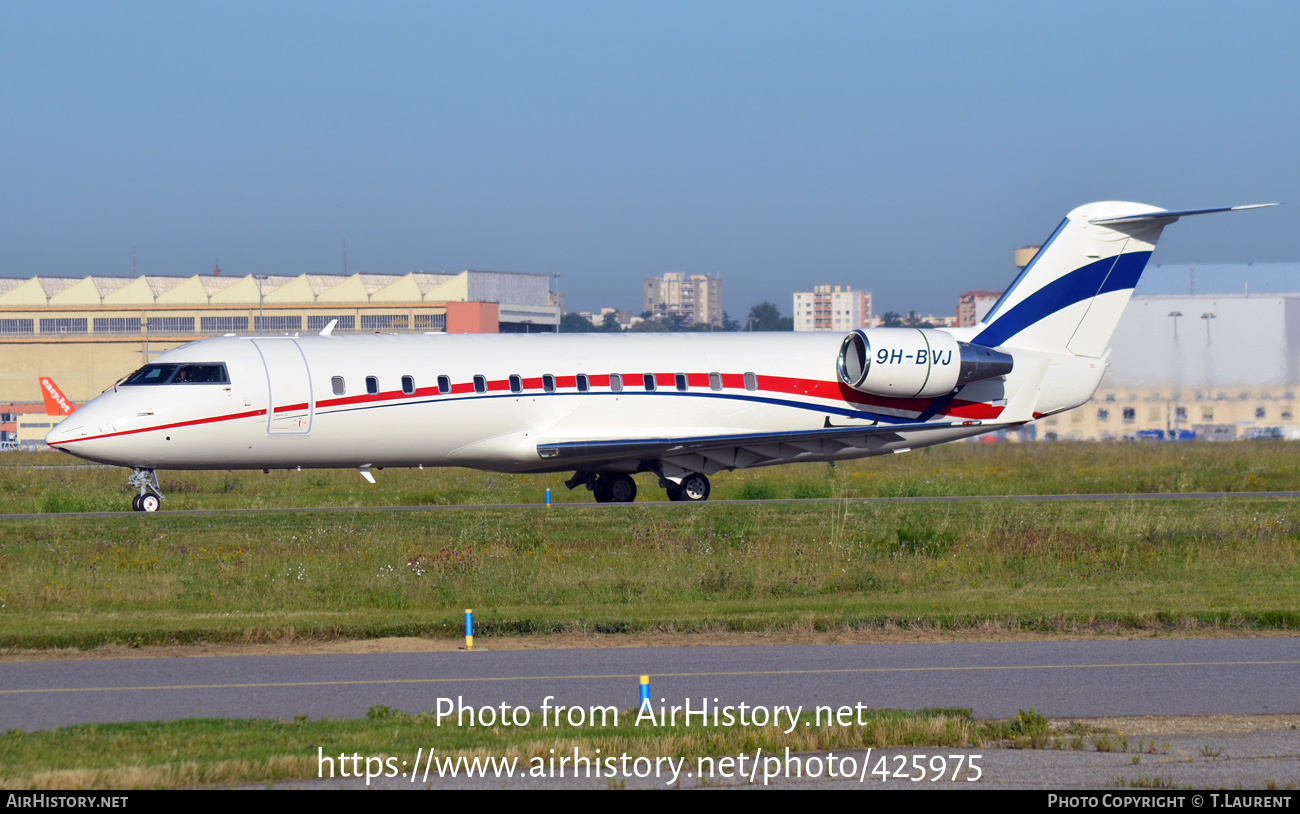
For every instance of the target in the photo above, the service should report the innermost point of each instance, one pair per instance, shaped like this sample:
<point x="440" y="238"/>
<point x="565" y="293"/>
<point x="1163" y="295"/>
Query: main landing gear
<point x="693" y="488"/>
<point x="150" y="497"/>
<point x="615" y="489"/>
<point x="611" y="487"/>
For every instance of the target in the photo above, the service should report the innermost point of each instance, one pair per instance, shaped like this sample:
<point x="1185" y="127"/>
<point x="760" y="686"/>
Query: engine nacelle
<point x="915" y="362"/>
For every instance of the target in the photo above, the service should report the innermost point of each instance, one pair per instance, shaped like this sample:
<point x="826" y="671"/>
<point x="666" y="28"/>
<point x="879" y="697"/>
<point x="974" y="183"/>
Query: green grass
<point x="1138" y="565"/>
<point x="952" y="469"/>
<point x="231" y="752"/>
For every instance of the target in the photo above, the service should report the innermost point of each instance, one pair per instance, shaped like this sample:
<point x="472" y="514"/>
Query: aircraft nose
<point x="71" y="433"/>
<point x="64" y="432"/>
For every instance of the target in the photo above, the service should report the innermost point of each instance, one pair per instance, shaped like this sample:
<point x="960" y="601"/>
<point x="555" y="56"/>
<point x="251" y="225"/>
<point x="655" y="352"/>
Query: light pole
<point x="260" y="320"/>
<point x="1207" y="316"/>
<point x="1175" y="315"/>
<point x="559" y="309"/>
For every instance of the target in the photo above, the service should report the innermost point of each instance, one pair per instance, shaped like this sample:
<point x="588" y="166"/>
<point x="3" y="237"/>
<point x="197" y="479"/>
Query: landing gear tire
<point x="615" y="489"/>
<point x="150" y="497"/>
<point x="694" y="488"/>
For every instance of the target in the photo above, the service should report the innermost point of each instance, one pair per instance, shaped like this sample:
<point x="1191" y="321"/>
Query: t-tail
<point x="1071" y="295"/>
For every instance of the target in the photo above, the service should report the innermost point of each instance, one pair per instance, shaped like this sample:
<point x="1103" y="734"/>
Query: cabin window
<point x="751" y="381"/>
<point x="480" y="384"/>
<point x="681" y="381"/>
<point x="372" y="385"/>
<point x="584" y="383"/>
<point x="516" y="383"/>
<point x="649" y="380"/>
<point x="444" y="384"/>
<point x="338" y="386"/>
<point x="548" y="383"/>
<point x="715" y="381"/>
<point x="408" y="385"/>
<point x="615" y="382"/>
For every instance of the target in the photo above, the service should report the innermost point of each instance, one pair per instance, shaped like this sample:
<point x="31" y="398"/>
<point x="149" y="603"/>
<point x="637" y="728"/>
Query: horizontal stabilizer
<point x="1172" y="216"/>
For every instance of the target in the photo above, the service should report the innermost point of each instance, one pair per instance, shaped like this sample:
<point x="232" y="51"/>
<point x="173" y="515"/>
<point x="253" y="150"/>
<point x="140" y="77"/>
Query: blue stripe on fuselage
<point x="1106" y="275"/>
<point x="817" y="408"/>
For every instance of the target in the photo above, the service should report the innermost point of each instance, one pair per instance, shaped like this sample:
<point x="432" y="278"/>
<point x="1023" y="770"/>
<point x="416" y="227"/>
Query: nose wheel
<point x="148" y="502"/>
<point x="150" y="497"/>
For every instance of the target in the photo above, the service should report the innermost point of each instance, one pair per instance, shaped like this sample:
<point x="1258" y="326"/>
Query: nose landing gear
<point x="150" y="497"/>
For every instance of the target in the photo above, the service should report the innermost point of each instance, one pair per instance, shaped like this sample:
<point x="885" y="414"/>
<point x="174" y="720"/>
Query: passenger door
<point x="291" y="405"/>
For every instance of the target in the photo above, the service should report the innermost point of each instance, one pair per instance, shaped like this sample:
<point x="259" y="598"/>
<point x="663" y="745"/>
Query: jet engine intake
<point x="915" y="362"/>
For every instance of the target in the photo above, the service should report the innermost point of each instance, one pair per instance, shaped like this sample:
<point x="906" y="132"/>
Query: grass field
<point x="155" y="579"/>
<point x="51" y="482"/>
<point x="228" y="752"/>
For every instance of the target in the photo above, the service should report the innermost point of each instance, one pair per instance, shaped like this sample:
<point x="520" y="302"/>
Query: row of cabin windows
<point x="648" y="381"/>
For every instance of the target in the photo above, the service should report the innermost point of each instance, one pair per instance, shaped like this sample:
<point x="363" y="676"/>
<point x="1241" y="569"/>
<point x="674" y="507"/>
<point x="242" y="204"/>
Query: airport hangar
<point x="86" y="333"/>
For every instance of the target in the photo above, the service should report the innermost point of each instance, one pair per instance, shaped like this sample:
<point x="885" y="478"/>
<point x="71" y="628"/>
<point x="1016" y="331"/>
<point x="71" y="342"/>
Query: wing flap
<point x="730" y="451"/>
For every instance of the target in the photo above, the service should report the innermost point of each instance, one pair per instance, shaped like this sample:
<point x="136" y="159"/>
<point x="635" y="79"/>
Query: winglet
<point x="329" y="329"/>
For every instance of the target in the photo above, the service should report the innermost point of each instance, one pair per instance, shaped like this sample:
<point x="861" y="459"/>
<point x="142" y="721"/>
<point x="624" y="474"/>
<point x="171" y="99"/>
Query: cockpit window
<point x="214" y="373"/>
<point x="201" y="374"/>
<point x="151" y="374"/>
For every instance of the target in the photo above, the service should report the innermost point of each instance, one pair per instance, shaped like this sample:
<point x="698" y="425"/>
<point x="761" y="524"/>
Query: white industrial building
<point x="1222" y="365"/>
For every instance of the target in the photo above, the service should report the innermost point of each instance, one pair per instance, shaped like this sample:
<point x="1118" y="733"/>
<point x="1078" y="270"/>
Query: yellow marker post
<point x="469" y="629"/>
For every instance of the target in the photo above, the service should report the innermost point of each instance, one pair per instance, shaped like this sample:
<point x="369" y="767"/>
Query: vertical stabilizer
<point x="55" y="402"/>
<point x="1071" y="295"/>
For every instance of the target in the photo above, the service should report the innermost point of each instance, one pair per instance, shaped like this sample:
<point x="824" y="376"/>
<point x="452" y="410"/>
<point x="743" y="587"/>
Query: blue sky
<point x="902" y="148"/>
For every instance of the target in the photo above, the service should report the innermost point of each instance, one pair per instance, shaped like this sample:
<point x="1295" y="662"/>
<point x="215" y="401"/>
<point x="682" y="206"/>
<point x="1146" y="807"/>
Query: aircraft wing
<point x="711" y="453"/>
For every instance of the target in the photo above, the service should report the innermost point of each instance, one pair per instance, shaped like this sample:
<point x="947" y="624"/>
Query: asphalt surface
<point x="1059" y="679"/>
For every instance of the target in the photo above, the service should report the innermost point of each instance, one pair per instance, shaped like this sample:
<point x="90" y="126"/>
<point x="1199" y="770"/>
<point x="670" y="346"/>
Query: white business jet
<point x="680" y="407"/>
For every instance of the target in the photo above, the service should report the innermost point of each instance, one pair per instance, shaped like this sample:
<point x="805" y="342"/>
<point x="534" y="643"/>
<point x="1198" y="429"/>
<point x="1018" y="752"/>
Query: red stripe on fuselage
<point x="190" y="423"/>
<point x="829" y="391"/>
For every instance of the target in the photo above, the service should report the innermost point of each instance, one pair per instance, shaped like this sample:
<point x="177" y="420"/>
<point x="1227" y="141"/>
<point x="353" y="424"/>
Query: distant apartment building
<point x="625" y="319"/>
<point x="973" y="305"/>
<point x="695" y="298"/>
<point x="937" y="321"/>
<point x="831" y="308"/>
